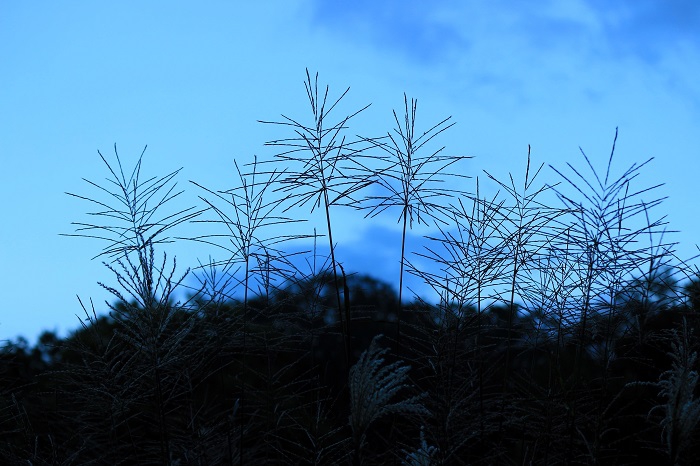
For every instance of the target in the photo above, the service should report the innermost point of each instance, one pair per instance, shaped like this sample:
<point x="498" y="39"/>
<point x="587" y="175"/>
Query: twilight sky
<point x="190" y="80"/>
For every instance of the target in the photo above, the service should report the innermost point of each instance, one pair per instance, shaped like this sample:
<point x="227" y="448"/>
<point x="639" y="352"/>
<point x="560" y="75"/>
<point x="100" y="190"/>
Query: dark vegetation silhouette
<point x="565" y="331"/>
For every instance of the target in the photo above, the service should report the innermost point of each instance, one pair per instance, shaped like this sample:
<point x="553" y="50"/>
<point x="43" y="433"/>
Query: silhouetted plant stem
<point x="322" y="174"/>
<point x="412" y="174"/>
<point x="526" y="230"/>
<point x="344" y="324"/>
<point x="245" y="212"/>
<point x="403" y="255"/>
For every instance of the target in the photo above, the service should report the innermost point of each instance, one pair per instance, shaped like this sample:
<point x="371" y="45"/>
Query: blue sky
<point x="190" y="80"/>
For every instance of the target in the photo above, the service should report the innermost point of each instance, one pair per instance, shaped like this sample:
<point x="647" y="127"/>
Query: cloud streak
<point x="516" y="57"/>
<point x="644" y="29"/>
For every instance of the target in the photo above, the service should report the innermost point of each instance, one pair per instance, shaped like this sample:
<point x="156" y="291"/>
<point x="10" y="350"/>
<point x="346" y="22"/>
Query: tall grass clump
<point x="410" y="180"/>
<point x="245" y="212"/>
<point x="138" y="372"/>
<point x="613" y="239"/>
<point x="560" y="329"/>
<point x="318" y="153"/>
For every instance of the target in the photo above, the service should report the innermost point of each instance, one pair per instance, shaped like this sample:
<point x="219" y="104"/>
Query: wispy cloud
<point x="648" y="29"/>
<point x="419" y="30"/>
<point x="430" y="31"/>
<point x="519" y="54"/>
